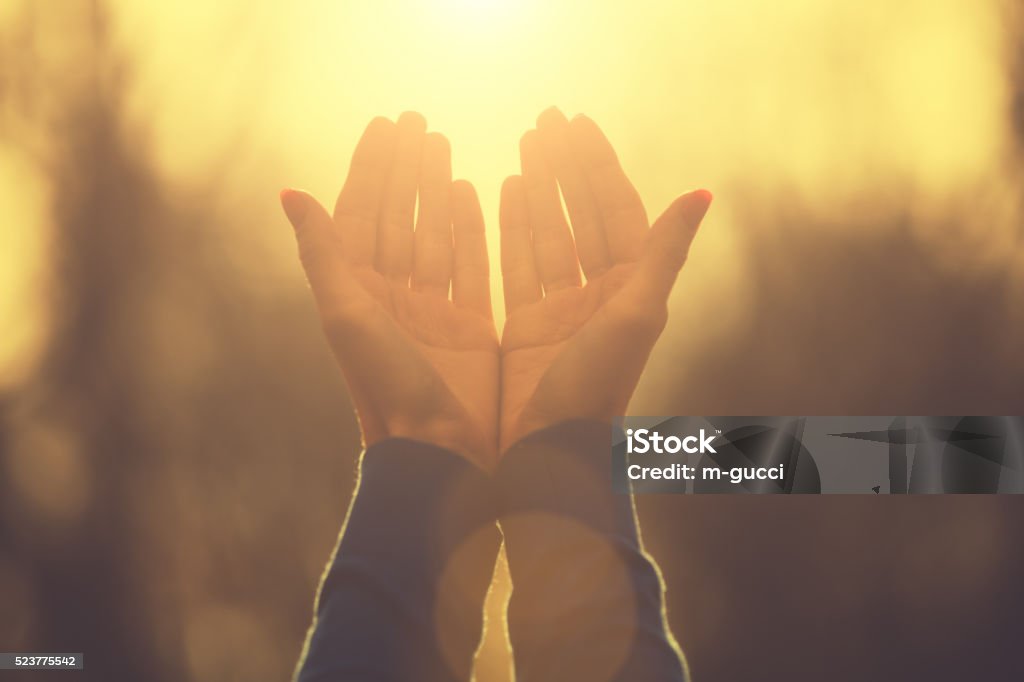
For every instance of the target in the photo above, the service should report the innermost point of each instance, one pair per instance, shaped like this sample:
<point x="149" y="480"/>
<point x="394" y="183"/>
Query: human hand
<point x="572" y="350"/>
<point x="418" y="364"/>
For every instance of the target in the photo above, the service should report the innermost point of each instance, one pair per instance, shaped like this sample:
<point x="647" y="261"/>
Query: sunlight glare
<point x="478" y="9"/>
<point x="825" y="100"/>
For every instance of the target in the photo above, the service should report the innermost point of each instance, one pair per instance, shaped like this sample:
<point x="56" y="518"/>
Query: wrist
<point x="451" y="434"/>
<point x="534" y="428"/>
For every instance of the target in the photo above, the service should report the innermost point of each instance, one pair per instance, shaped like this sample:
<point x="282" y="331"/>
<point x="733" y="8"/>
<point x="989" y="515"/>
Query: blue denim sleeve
<point x="587" y="602"/>
<point x="402" y="598"/>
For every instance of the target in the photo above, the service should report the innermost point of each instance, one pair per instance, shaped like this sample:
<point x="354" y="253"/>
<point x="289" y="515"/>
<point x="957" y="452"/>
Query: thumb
<point x="319" y="249"/>
<point x="668" y="242"/>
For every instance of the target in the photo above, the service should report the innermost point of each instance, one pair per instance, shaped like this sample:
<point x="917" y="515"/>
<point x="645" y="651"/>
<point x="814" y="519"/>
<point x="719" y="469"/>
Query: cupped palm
<point x="571" y="349"/>
<point x="418" y="363"/>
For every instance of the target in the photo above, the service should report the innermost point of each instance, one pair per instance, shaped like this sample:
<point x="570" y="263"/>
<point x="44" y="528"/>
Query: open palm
<point x="574" y="350"/>
<point x="418" y="363"/>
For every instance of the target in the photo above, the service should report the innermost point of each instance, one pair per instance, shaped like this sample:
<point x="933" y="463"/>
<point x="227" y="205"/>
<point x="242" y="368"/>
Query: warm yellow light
<point x="725" y="94"/>
<point x="480" y="8"/>
<point x="23" y="311"/>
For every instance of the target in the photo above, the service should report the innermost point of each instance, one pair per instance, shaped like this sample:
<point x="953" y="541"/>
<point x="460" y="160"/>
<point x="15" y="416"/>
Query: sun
<point x="480" y="10"/>
<point x="479" y="5"/>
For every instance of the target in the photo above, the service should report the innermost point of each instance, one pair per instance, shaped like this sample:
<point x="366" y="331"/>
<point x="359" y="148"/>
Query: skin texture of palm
<point x="439" y="376"/>
<point x="576" y="354"/>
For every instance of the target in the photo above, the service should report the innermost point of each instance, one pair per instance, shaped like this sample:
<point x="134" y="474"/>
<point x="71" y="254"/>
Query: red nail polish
<point x="705" y="195"/>
<point x="695" y="205"/>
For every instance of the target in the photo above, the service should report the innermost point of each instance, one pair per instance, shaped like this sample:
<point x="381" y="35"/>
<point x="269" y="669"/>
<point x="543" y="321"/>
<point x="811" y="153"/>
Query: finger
<point x="432" y="251"/>
<point x="356" y="211"/>
<point x="587" y="230"/>
<point x="553" y="247"/>
<point x="321" y="254"/>
<point x="394" y="236"/>
<point x="342" y="309"/>
<point x="471" y="285"/>
<point x="622" y="212"/>
<point x="668" y="244"/>
<point x="518" y="270"/>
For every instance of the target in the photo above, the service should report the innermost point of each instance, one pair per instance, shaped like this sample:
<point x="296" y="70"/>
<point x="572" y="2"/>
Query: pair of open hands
<point x="425" y="365"/>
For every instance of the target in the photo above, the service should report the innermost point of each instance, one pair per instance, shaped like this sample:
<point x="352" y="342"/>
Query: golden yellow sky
<point x="763" y="103"/>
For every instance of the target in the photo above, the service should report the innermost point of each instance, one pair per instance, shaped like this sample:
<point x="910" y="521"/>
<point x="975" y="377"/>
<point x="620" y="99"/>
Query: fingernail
<point x="294" y="205"/>
<point x="705" y="195"/>
<point x="697" y="207"/>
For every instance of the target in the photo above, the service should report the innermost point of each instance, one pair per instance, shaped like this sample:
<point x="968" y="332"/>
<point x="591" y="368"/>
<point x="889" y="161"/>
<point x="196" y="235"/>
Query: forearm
<point x="403" y="594"/>
<point x="587" y="603"/>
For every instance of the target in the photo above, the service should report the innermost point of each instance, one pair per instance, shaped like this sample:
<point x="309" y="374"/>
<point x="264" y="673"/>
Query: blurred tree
<point x="158" y="455"/>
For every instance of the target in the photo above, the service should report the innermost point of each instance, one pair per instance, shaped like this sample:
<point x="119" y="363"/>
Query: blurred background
<point x="177" y="451"/>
